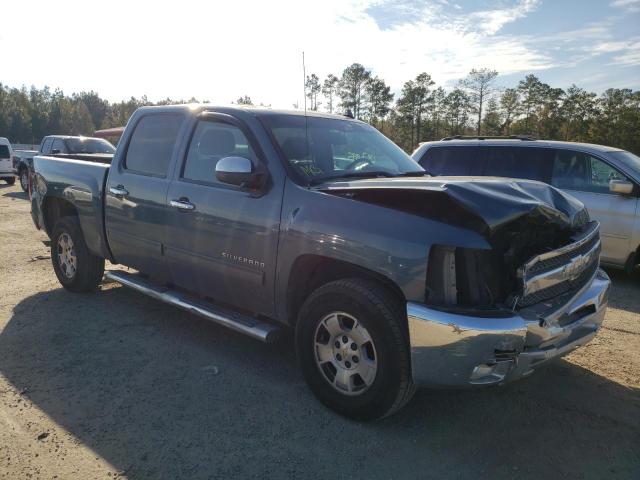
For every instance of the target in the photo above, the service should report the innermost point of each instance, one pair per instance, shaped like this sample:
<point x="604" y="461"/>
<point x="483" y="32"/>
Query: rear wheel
<point x="76" y="267"/>
<point x="353" y="349"/>
<point x="24" y="179"/>
<point x="10" y="180"/>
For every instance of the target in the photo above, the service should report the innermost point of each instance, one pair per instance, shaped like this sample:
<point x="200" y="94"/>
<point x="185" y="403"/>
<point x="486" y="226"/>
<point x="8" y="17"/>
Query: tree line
<point x="422" y="111"/>
<point x="477" y="105"/>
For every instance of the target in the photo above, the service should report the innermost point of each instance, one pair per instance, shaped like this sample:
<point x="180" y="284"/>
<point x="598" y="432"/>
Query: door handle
<point x="182" y="204"/>
<point x="118" y="191"/>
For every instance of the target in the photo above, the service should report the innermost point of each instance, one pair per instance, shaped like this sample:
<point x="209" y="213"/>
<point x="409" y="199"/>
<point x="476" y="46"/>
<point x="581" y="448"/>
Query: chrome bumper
<point x="455" y="350"/>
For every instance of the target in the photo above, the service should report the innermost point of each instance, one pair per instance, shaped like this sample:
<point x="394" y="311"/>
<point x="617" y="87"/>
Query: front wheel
<point x="353" y="349"/>
<point x="76" y="267"/>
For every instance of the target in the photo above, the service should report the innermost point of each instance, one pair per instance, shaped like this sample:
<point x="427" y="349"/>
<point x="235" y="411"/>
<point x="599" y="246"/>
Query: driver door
<point x="221" y="240"/>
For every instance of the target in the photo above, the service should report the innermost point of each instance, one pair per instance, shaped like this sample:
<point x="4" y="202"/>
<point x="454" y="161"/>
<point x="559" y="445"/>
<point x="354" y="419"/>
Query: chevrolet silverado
<point x="262" y="220"/>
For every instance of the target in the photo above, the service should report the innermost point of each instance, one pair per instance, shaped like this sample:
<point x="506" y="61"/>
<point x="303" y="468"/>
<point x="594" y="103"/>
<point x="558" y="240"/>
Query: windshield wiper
<point x="368" y="174"/>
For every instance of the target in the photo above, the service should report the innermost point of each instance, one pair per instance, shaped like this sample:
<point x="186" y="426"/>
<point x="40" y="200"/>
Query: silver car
<point x="605" y="179"/>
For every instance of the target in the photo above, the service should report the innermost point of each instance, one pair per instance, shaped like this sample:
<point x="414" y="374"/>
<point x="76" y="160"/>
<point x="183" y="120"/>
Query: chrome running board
<point x="253" y="327"/>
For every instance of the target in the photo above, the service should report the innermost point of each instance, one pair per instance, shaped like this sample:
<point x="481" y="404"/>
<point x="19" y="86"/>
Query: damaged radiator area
<point x="528" y="269"/>
<point x="536" y="234"/>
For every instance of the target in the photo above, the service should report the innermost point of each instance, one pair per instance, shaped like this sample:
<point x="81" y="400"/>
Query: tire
<point x="68" y="248"/>
<point x="383" y="317"/>
<point x="24" y="179"/>
<point x="10" y="180"/>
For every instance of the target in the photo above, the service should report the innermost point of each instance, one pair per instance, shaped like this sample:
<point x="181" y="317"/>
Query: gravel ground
<point x="113" y="384"/>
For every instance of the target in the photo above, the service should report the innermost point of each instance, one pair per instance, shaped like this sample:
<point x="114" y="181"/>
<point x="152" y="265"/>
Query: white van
<point x="7" y="169"/>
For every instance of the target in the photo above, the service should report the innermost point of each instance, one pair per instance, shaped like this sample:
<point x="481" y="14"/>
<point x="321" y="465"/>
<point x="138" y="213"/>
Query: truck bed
<point x="80" y="183"/>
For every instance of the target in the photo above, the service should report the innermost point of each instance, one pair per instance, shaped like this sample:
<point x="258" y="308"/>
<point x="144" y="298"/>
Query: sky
<point x="221" y="50"/>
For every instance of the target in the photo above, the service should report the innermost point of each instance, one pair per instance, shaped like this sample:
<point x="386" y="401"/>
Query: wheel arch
<point x="53" y="209"/>
<point x="309" y="272"/>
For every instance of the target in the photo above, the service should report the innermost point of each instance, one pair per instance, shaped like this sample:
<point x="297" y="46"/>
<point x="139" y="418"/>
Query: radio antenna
<point x="306" y="120"/>
<point x="304" y="84"/>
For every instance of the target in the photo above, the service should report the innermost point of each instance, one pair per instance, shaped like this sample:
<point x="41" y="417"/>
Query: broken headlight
<point x="466" y="277"/>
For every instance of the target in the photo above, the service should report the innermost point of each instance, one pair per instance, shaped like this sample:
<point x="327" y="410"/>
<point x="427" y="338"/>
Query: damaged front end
<point x="524" y="269"/>
<point x="495" y="314"/>
<point x="486" y="322"/>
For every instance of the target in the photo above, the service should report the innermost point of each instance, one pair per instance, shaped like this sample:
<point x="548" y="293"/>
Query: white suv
<point x="605" y="179"/>
<point x="7" y="169"/>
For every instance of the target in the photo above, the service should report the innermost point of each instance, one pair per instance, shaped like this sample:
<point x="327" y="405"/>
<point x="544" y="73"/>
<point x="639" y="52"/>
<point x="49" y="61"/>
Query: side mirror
<point x="54" y="151"/>
<point x="238" y="171"/>
<point x="620" y="186"/>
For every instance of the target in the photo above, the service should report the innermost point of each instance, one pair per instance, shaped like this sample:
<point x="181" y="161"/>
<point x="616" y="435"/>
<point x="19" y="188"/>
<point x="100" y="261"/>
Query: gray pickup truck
<point x="262" y="220"/>
<point x="64" y="146"/>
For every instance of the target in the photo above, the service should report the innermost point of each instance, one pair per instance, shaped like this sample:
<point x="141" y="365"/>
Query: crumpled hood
<point x="484" y="204"/>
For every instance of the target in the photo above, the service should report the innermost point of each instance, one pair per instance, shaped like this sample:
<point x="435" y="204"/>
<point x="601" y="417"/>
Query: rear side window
<point x="519" y="162"/>
<point x="46" y="145"/>
<point x="452" y="161"/>
<point x="4" y="152"/>
<point x="59" y="146"/>
<point x="152" y="143"/>
<point x="211" y="142"/>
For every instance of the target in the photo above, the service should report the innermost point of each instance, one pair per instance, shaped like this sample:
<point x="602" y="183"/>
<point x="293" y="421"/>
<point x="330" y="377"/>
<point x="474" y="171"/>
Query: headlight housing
<point x="466" y="277"/>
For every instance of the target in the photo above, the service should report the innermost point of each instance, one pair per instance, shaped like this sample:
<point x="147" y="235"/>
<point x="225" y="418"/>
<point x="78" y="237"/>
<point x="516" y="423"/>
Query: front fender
<point x="389" y="242"/>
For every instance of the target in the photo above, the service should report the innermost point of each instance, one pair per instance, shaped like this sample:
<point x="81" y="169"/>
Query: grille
<point x="555" y="262"/>
<point x="543" y="277"/>
<point x="559" y="288"/>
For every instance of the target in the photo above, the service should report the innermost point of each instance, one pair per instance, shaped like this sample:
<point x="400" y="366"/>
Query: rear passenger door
<point x="453" y="160"/>
<point x="136" y="193"/>
<point x="587" y="178"/>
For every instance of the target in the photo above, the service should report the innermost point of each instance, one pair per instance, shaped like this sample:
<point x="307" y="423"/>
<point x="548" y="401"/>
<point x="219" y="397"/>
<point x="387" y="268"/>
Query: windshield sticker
<point x="371" y="157"/>
<point x="311" y="170"/>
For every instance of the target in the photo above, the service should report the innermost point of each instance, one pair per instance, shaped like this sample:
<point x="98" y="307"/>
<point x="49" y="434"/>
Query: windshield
<point x="324" y="148"/>
<point x="627" y="158"/>
<point x="89" y="145"/>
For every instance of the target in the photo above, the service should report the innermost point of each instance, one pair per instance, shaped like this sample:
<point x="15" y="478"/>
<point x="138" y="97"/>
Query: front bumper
<point x="455" y="350"/>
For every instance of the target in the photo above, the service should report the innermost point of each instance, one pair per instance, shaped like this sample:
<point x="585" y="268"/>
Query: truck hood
<point x="486" y="205"/>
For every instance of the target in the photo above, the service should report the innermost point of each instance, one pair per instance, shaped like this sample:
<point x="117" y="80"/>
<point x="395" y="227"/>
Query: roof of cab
<point x="257" y="111"/>
<point x="521" y="143"/>
<point x="64" y="137"/>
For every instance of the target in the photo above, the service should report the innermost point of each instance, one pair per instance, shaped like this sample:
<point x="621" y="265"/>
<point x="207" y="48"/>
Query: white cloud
<point x="629" y="57"/>
<point x="492" y="21"/>
<point x="627" y="5"/>
<point x="221" y="50"/>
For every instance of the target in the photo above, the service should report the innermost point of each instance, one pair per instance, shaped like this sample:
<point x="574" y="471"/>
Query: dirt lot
<point x="113" y="384"/>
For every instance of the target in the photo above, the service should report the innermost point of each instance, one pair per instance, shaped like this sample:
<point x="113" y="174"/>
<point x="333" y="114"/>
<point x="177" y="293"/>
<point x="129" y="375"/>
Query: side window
<point x="211" y="142"/>
<point x="152" y="143"/>
<point x="46" y="145"/>
<point x="59" y="145"/>
<point x="452" y="161"/>
<point x="580" y="171"/>
<point x="519" y="162"/>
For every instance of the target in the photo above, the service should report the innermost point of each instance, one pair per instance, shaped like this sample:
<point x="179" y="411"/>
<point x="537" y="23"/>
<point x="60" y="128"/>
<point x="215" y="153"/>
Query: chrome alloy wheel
<point x="67" y="255"/>
<point x="345" y="353"/>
